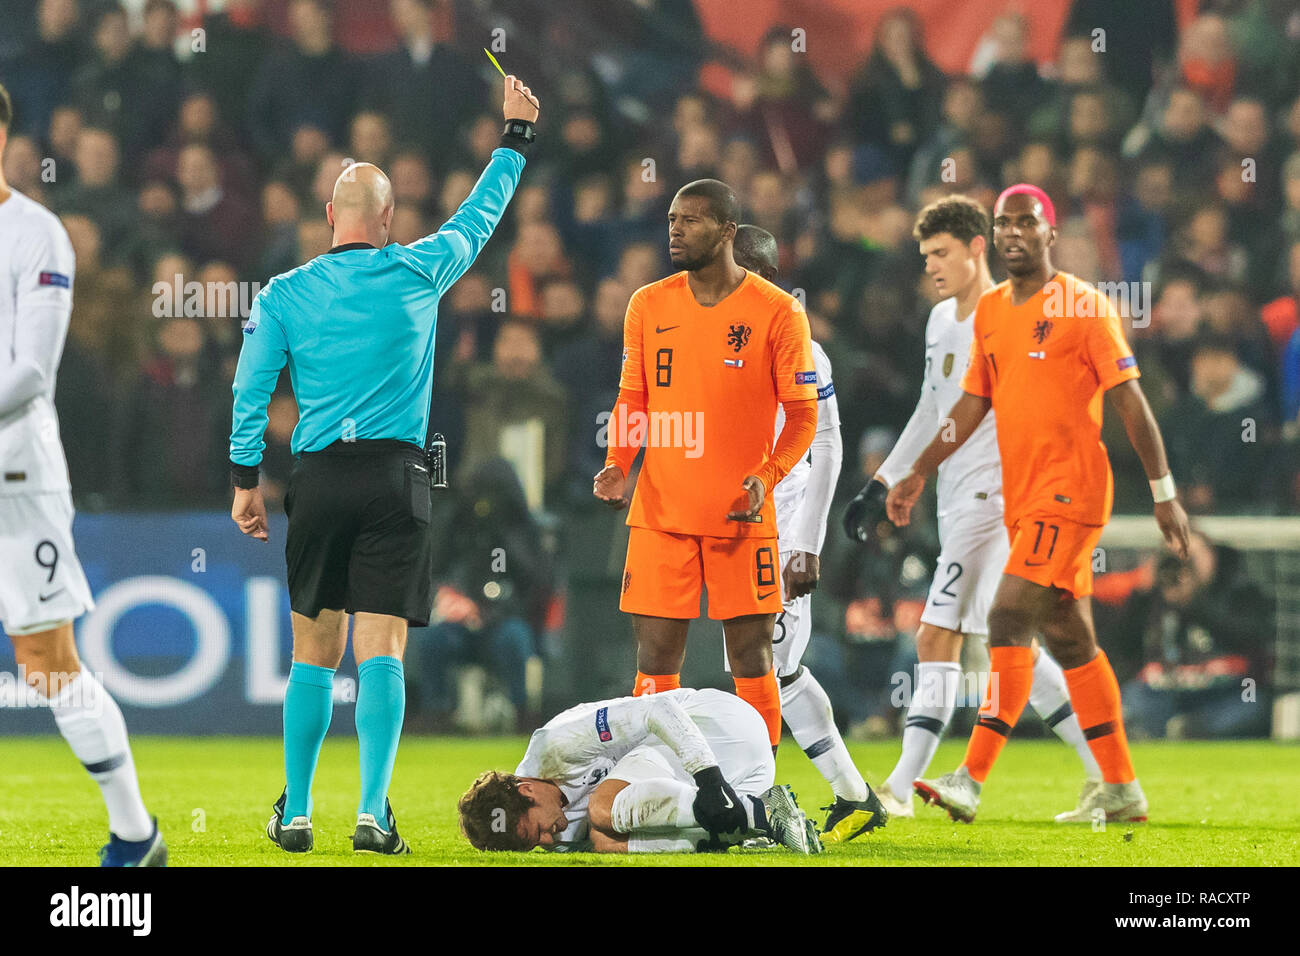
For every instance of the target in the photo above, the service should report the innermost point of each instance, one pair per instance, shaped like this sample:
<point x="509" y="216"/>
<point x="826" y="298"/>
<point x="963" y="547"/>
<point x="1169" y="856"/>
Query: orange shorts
<point x="1054" y="552"/>
<point x="665" y="571"/>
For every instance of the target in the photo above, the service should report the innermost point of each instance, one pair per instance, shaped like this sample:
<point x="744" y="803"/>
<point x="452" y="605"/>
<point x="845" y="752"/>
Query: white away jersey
<point x="578" y="747"/>
<point x="797" y="528"/>
<point x="36" y="274"/>
<point x="974" y="468"/>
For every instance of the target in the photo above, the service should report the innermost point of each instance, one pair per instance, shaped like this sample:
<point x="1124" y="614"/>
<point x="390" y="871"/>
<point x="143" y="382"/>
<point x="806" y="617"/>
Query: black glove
<point x="866" y="511"/>
<point x="716" y="807"/>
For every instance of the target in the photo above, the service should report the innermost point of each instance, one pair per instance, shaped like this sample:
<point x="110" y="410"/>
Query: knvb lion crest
<point x="1042" y="330"/>
<point x="738" y="337"/>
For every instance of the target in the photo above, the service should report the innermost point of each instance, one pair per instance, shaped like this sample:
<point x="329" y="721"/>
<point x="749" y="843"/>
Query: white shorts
<point x="736" y="734"/>
<point x="42" y="583"/>
<point x="791" y="634"/>
<point x="975" y="550"/>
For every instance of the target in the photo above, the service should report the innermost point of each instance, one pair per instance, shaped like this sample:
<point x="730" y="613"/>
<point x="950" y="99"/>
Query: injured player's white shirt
<point x="973" y="469"/>
<point x="36" y="274"/>
<point x="580" y="746"/>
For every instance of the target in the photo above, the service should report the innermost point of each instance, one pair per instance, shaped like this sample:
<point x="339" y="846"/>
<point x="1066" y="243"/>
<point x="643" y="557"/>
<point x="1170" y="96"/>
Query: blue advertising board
<point x="190" y="631"/>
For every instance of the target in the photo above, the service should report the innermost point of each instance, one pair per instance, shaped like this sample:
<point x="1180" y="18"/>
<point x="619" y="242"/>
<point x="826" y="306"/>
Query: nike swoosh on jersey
<point x="46" y="597"/>
<point x="764" y="597"/>
<point x="667" y="328"/>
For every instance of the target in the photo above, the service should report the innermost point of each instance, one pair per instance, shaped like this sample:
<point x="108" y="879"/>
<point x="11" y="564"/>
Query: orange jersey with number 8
<point x="712" y="377"/>
<point x="1045" y="364"/>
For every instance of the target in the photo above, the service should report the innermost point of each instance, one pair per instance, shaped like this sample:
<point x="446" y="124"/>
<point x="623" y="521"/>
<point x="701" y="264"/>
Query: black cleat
<point x="371" y="838"/>
<point x="294" y="837"/>
<point x="852" y="818"/>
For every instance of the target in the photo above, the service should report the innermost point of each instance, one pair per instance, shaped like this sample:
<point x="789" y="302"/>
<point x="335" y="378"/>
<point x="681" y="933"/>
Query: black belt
<point x="365" y="447"/>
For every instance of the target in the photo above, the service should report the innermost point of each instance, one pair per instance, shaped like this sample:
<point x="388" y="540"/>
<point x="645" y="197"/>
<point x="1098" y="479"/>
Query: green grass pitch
<point x="1212" y="804"/>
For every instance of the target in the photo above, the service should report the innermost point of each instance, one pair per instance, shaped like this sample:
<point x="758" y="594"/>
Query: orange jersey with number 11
<point x="1045" y="364"/>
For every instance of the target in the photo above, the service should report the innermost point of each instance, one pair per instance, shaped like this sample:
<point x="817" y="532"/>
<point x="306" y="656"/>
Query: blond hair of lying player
<point x="675" y="772"/>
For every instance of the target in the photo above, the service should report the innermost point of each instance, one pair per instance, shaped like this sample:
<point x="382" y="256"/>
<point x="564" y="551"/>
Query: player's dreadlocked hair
<point x="6" y="108"/>
<point x="490" y="811"/>
<point x="960" y="216"/>
<point x="723" y="205"/>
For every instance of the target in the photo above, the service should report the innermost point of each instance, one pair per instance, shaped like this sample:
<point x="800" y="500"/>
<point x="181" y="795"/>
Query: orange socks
<point x="655" y="683"/>
<point x="764" y="695"/>
<point x="1094" y="695"/>
<point x="1011" y="675"/>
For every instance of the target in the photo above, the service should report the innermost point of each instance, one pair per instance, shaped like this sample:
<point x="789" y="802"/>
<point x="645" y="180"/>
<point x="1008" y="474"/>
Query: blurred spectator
<point x="516" y="389"/>
<point x="308" y="82"/>
<point x="235" y="43"/>
<point x="1008" y="77"/>
<point x="894" y="102"/>
<point x="1183" y="136"/>
<point x="213" y="223"/>
<point x="784" y="105"/>
<point x="124" y="89"/>
<point x="495" y="582"/>
<point x="1194" y="649"/>
<point x="22" y="168"/>
<point x="588" y="369"/>
<point x="537" y="256"/>
<point x="1206" y="61"/>
<point x="105" y="321"/>
<point x="1219" y="435"/>
<point x="1141" y="224"/>
<point x="175" y="424"/>
<point x="37" y="79"/>
<point x="97" y="191"/>
<point x="425" y="87"/>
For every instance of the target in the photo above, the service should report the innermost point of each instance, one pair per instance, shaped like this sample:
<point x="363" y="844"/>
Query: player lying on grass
<point x="953" y="234"/>
<point x="676" y="772"/>
<point x="803" y="501"/>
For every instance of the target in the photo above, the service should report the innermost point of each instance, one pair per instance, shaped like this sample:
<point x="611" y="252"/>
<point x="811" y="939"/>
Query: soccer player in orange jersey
<point x="708" y="353"/>
<point x="1046" y="347"/>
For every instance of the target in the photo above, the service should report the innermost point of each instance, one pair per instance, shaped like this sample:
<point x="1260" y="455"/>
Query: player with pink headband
<point x="1045" y="347"/>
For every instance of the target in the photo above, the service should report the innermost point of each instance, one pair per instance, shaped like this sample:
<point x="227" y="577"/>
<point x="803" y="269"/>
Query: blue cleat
<point x="149" y="852"/>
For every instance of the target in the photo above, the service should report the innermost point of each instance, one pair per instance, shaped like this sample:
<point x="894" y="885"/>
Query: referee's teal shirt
<point x="356" y="328"/>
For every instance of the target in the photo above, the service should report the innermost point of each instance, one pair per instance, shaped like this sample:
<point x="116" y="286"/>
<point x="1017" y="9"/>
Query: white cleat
<point x="787" y="824"/>
<point x="956" y="792"/>
<point x="895" y="806"/>
<point x="1109" y="803"/>
<point x="1085" y="797"/>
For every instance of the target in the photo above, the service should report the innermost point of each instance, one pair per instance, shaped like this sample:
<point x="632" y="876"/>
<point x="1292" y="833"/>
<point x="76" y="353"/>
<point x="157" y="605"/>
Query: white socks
<point x="932" y="706"/>
<point x="652" y="805"/>
<point x="807" y="712"/>
<point x="92" y="724"/>
<point x="1050" y="698"/>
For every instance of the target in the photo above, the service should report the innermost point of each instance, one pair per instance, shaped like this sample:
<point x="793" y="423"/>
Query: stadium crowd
<point x="188" y="167"/>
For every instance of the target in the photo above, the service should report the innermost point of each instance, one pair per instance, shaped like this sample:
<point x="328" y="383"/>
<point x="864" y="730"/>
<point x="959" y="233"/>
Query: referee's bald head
<point x="361" y="209"/>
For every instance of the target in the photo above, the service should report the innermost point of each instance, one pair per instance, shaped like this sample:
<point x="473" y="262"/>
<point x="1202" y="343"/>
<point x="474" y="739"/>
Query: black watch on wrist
<point x="521" y="129"/>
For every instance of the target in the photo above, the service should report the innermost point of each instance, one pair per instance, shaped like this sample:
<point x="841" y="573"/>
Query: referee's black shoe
<point x="371" y="838"/>
<point x="294" y="837"/>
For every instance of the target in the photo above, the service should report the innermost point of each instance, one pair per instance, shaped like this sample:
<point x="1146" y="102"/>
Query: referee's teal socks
<point x="381" y="706"/>
<point x="308" y="707"/>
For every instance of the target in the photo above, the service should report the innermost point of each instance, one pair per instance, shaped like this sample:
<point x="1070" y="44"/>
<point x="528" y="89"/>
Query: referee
<point x="356" y="328"/>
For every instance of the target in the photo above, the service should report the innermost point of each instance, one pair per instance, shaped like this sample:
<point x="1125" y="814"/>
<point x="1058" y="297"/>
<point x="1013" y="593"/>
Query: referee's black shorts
<point x="359" y="537"/>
